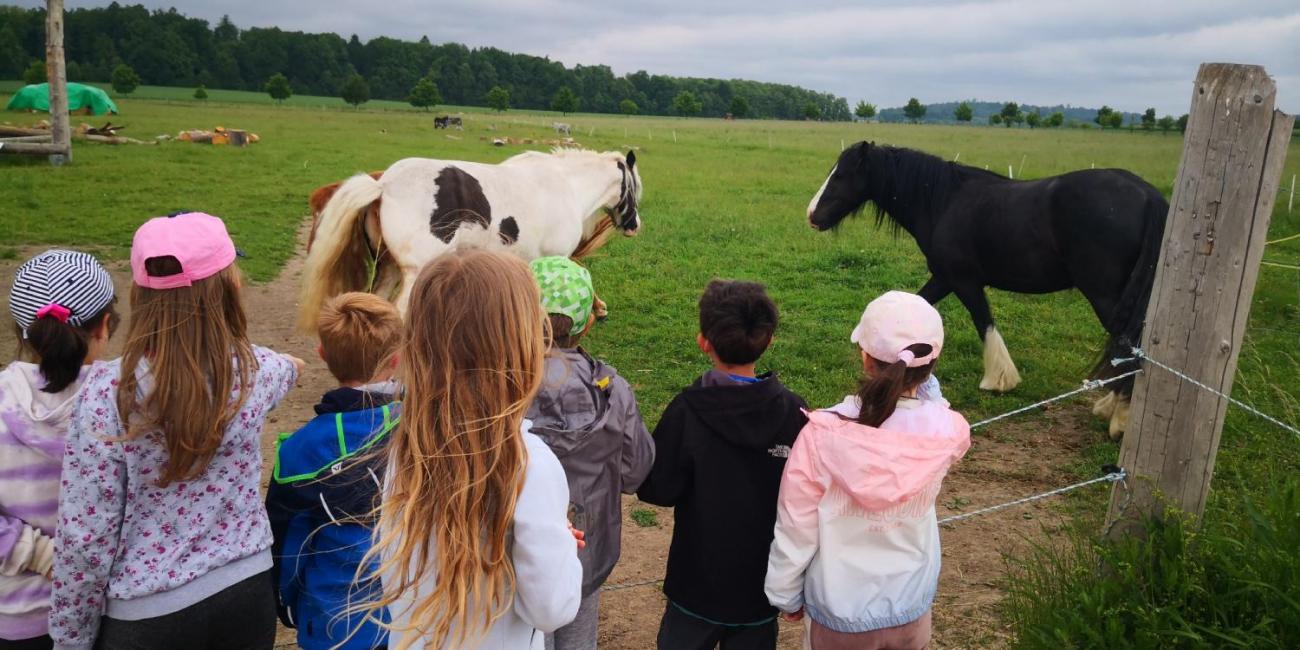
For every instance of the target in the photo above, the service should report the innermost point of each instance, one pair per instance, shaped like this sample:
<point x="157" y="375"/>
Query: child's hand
<point x="298" y="364"/>
<point x="792" y="617"/>
<point x="578" y="535"/>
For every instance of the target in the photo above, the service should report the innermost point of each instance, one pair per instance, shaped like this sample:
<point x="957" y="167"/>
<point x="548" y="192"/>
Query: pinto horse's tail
<point x="1131" y="310"/>
<point x="339" y="258"/>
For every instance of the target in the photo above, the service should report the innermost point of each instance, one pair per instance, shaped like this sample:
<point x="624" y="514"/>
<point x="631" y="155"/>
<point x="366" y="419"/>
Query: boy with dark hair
<point x="587" y="414"/>
<point x="326" y="481"/>
<point x="720" y="449"/>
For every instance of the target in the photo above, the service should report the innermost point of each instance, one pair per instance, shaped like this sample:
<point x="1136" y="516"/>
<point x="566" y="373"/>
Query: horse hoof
<point x="1119" y="420"/>
<point x="1001" y="382"/>
<point x="1105" y="407"/>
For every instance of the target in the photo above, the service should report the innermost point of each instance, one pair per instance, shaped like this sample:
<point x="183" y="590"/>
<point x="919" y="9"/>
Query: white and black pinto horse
<point x="375" y="234"/>
<point x="1098" y="230"/>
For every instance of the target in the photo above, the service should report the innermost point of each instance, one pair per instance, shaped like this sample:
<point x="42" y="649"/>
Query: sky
<point x="1124" y="53"/>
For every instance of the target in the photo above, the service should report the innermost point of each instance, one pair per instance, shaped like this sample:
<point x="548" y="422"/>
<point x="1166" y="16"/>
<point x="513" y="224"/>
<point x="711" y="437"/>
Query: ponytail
<point x="61" y="347"/>
<point x="880" y="391"/>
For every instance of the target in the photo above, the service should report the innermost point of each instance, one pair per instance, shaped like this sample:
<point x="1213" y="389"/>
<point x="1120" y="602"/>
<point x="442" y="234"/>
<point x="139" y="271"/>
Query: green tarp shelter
<point x="36" y="97"/>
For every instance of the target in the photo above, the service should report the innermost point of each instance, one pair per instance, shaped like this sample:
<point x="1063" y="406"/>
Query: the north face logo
<point x="780" y="451"/>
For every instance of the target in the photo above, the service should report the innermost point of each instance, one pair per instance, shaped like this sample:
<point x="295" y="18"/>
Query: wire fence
<point x="1113" y="473"/>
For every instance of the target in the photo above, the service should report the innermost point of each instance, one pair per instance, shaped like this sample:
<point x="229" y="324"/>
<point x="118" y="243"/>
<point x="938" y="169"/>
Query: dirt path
<point x="1025" y="457"/>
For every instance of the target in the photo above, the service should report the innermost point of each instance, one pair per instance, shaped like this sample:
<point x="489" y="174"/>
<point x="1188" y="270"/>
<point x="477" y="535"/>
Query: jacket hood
<point x="750" y="415"/>
<point x="882" y="468"/>
<point x="35" y="418"/>
<point x="573" y="401"/>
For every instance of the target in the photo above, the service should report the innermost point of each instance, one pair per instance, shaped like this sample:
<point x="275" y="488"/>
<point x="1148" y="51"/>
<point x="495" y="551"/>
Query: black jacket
<point x="720" y="449"/>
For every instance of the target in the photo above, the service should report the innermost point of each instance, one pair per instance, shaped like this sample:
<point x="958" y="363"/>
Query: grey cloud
<point x="1118" y="52"/>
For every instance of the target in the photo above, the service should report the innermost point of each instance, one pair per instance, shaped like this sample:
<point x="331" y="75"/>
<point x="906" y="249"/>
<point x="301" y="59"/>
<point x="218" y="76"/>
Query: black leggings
<point x="37" y="643"/>
<point x="239" y="617"/>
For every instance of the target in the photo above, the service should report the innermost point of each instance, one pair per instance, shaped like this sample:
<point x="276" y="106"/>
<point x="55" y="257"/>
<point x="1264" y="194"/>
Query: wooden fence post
<point x="56" y="73"/>
<point x="1213" y="243"/>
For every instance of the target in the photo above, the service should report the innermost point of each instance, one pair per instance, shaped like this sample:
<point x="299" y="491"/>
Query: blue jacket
<point x="323" y="493"/>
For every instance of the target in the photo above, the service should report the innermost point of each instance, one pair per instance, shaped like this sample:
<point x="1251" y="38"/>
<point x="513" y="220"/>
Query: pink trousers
<point x="909" y="636"/>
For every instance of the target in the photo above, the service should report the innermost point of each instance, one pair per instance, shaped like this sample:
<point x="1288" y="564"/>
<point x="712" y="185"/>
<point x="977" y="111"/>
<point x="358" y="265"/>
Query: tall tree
<point x="201" y="92"/>
<point x="963" y="112"/>
<point x="1033" y="119"/>
<point x="628" y="107"/>
<point x="124" y="79"/>
<point x="1056" y="119"/>
<point x="739" y="107"/>
<point x="995" y="119"/>
<point x="1182" y="123"/>
<point x="915" y="110"/>
<point x="685" y="104"/>
<point x="864" y="110"/>
<point x="498" y="99"/>
<point x="424" y="94"/>
<point x="1149" y="119"/>
<point x="565" y="100"/>
<point x="1103" y="116"/>
<point x="1166" y="123"/>
<point x="278" y="88"/>
<point x="1011" y="114"/>
<point x="1115" y="120"/>
<point x="812" y="111"/>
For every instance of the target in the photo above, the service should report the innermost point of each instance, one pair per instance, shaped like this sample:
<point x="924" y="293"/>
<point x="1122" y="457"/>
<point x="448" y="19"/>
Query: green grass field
<point x="722" y="199"/>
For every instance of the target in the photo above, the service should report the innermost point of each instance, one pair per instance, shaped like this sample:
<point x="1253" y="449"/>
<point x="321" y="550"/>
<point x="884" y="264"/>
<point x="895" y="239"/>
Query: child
<point x="321" y="498"/>
<point x="163" y="541"/>
<point x="62" y="305"/>
<point x="857" y="542"/>
<point x="475" y="548"/>
<point x="587" y="414"/>
<point x="720" y="448"/>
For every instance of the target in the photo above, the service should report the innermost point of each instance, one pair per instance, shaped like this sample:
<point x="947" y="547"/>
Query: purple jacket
<point x="133" y="550"/>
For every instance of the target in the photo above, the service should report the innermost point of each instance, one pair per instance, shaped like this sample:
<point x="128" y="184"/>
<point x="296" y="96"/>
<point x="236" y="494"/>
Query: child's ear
<point x="705" y="346"/>
<point x="392" y="362"/>
<point x="320" y="351"/>
<point x="105" y="329"/>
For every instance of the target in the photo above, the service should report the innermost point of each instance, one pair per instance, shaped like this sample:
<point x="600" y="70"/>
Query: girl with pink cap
<point x="857" y="540"/>
<point x="163" y="541"/>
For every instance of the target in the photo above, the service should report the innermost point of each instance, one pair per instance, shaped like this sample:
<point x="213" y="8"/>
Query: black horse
<point x="1099" y="230"/>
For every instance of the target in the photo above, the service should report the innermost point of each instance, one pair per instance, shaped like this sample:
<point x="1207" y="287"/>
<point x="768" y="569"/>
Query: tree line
<point x="166" y="48"/>
<point x="1013" y="114"/>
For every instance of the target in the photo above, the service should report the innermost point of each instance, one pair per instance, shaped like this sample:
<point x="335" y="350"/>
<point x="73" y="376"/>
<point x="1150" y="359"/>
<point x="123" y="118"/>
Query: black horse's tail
<point x="1130" y="312"/>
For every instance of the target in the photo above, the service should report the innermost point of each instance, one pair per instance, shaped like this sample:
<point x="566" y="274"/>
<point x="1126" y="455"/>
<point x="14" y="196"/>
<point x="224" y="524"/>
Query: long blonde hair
<point x="195" y="340"/>
<point x="471" y="362"/>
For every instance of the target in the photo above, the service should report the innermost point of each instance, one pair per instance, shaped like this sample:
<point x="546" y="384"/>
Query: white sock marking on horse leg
<point x="1105" y="407"/>
<point x="1119" y="420"/>
<point x="1000" y="373"/>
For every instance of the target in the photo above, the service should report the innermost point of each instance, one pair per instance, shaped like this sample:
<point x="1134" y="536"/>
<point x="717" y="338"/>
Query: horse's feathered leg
<point x="1000" y="372"/>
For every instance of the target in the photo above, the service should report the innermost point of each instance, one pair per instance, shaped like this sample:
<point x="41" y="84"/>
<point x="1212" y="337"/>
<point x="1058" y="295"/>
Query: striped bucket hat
<point x="69" y="286"/>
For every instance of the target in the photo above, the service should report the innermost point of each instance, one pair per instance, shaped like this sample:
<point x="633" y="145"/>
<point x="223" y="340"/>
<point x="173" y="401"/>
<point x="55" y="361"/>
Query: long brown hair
<point x="201" y="366"/>
<point x="879" y="391"/>
<point x="471" y="363"/>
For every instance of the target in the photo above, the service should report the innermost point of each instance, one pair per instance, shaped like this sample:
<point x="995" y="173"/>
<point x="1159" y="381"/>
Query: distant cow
<point x="455" y="121"/>
<point x="441" y="122"/>
<point x="561" y="128"/>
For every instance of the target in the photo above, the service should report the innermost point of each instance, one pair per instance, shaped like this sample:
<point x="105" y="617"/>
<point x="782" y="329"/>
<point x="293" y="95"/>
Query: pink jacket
<point x="857" y="541"/>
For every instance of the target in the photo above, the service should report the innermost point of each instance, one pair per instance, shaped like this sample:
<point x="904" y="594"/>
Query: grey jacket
<point x="587" y="414"/>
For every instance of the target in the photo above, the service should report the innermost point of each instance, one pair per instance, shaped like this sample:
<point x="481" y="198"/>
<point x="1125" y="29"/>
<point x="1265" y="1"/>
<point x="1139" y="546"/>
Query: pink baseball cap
<point x="895" y="321"/>
<point x="198" y="241"/>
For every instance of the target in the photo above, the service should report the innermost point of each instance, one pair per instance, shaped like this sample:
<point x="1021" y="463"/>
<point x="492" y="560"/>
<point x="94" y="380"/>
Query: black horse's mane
<point x="908" y="184"/>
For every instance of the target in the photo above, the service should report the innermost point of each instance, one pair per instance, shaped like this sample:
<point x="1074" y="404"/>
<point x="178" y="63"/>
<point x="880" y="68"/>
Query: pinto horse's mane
<point x="907" y="184"/>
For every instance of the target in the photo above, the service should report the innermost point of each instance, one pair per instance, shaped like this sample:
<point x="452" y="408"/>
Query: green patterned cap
<point x="566" y="289"/>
